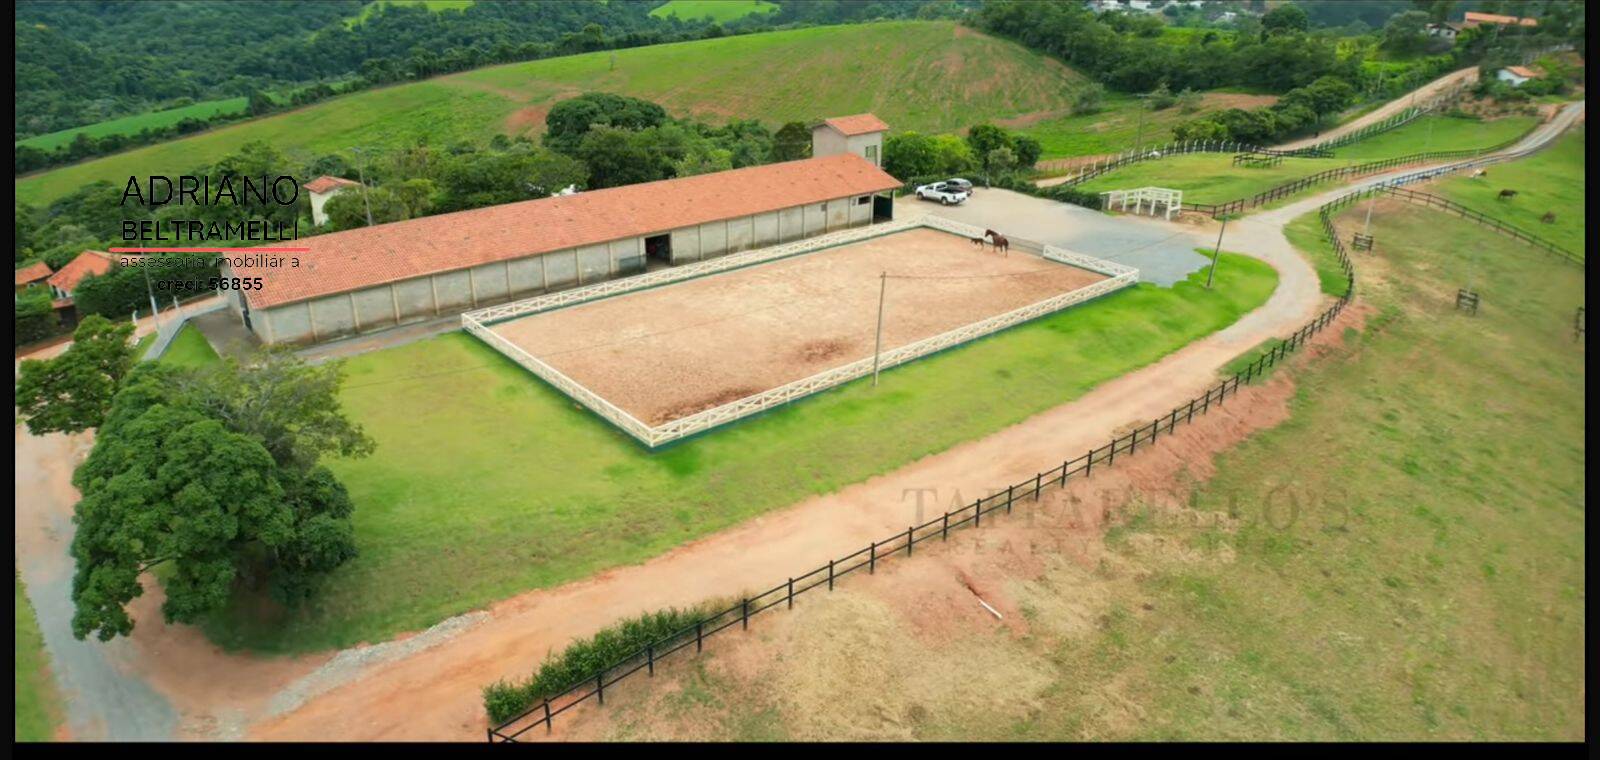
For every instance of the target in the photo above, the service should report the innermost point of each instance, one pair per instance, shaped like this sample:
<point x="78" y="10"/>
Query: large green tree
<point x="72" y="392"/>
<point x="214" y="475"/>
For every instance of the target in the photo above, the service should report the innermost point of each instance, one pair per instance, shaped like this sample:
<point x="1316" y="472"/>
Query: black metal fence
<point x="904" y="543"/>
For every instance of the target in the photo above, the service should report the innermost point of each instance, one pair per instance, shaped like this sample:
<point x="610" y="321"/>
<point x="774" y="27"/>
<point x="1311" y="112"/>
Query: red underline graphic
<point x="208" y="250"/>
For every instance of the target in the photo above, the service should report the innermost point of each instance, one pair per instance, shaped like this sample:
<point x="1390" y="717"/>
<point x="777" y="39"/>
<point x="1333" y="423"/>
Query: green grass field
<point x="487" y="483"/>
<point x="1549" y="181"/>
<point x="1432" y="586"/>
<point x="1403" y="558"/>
<point x="190" y="350"/>
<point x="720" y="11"/>
<point x="917" y="75"/>
<point x="432" y="5"/>
<point x="130" y="125"/>
<point x="1429" y="133"/>
<point x="1116" y="127"/>
<point x="38" y="706"/>
<point x="1209" y="177"/>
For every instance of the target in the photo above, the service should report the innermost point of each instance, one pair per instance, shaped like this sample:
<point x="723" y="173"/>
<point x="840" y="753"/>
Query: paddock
<point x="721" y="346"/>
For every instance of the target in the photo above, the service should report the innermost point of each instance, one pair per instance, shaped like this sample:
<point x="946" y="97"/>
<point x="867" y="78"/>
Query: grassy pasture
<point x="1551" y="180"/>
<point x="190" y="350"/>
<point x="131" y="125"/>
<point x="432" y="5"/>
<point x="1403" y="558"/>
<point x="720" y="11"/>
<point x="919" y="75"/>
<point x="38" y="705"/>
<point x="1430" y="133"/>
<point x="1116" y="127"/>
<point x="1209" y="177"/>
<point x="487" y="483"/>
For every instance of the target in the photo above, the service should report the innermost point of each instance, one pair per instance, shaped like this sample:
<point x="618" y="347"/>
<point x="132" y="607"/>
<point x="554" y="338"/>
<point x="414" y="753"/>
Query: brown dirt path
<point x="1468" y="75"/>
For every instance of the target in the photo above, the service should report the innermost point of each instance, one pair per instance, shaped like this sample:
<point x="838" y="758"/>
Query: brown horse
<point x="999" y="241"/>
<point x="978" y="241"/>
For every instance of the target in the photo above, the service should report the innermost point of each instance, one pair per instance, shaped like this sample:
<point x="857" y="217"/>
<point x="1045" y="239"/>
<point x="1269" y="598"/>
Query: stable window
<point x="872" y="154"/>
<point x="863" y="200"/>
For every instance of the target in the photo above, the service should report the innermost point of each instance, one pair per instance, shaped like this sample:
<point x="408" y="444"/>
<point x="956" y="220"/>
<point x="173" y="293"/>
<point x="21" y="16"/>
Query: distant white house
<point x="320" y="190"/>
<point x="1516" y="75"/>
<point x="861" y="134"/>
<point x="1444" y="31"/>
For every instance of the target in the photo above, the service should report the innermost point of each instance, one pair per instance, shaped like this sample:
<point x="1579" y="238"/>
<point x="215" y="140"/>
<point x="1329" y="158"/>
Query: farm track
<point x="433" y="694"/>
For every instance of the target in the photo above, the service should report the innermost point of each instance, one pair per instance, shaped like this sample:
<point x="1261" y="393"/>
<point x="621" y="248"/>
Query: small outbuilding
<point x="1516" y="75"/>
<point x="861" y="134"/>
<point x="33" y="274"/>
<point x="320" y="190"/>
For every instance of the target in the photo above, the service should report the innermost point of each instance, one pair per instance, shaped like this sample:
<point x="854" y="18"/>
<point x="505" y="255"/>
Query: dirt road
<point x="1420" y="95"/>
<point x="432" y="693"/>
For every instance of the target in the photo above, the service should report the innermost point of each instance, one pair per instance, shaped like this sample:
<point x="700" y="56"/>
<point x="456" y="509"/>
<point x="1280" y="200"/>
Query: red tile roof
<point x="87" y="263"/>
<point x="32" y="273"/>
<point x="1473" y="18"/>
<point x="860" y="124"/>
<point x="385" y="253"/>
<point x="325" y="183"/>
<point x="1523" y="71"/>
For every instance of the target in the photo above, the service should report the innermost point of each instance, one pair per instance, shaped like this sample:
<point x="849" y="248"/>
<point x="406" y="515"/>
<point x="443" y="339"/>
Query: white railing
<point x="477" y="322"/>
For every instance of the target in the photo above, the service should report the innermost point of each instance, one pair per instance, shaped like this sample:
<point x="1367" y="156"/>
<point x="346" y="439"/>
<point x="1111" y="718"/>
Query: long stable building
<point x="377" y="277"/>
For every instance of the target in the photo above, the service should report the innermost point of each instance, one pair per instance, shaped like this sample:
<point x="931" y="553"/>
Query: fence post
<point x="547" y="727"/>
<point x="977" y="513"/>
<point x="1010" y="496"/>
<point x="600" y="686"/>
<point x="909" y="540"/>
<point x="1088" y="463"/>
<point x="1038" y="485"/>
<point x="791" y="593"/>
<point x="650" y="658"/>
<point x="944" y="532"/>
<point x="699" y="636"/>
<point x="1064" y="464"/>
<point x="1113" y="458"/>
<point x="872" y="559"/>
<point x="1155" y="428"/>
<point x="744" y="608"/>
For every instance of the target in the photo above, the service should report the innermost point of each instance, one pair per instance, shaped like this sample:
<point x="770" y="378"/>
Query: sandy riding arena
<point x="669" y="352"/>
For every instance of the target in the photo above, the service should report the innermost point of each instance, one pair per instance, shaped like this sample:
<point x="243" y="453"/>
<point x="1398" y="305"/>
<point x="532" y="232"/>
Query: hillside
<point x="926" y="76"/>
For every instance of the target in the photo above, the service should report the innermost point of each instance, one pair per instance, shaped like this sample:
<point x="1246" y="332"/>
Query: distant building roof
<point x="88" y="263"/>
<point x="860" y="124"/>
<point x="32" y="273"/>
<point x="1523" y="71"/>
<point x="326" y="183"/>
<point x="385" y="253"/>
<point x="1473" y="18"/>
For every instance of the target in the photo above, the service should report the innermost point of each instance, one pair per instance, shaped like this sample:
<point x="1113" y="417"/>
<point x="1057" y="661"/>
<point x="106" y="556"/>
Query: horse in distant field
<point x="1549" y="217"/>
<point x="999" y="241"/>
<point x="1507" y="194"/>
<point x="978" y="241"/>
<point x="1480" y="173"/>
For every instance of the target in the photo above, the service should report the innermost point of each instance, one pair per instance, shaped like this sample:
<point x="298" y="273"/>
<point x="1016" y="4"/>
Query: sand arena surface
<point x="672" y="351"/>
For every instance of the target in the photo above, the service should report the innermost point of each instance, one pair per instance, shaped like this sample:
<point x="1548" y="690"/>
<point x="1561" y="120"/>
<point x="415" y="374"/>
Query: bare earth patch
<point x="670" y="351"/>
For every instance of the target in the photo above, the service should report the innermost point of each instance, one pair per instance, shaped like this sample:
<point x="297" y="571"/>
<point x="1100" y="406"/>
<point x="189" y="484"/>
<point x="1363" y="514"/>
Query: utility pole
<point x="361" y="174"/>
<point x="1215" y="254"/>
<point x="877" y="343"/>
<point x="155" y="313"/>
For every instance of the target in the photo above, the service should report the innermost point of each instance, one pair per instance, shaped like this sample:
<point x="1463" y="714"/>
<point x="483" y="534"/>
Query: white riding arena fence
<point x="478" y="323"/>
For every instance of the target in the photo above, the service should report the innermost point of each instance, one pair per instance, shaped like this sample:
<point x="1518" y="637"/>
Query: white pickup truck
<point x="944" y="192"/>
